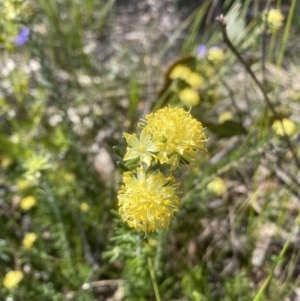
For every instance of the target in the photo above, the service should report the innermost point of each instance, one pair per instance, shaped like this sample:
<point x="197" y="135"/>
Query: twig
<point x="257" y="82"/>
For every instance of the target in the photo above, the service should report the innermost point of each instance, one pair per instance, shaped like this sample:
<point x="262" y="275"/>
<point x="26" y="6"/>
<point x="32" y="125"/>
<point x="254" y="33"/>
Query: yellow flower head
<point x="142" y="147"/>
<point x="177" y="134"/>
<point x="148" y="201"/>
<point x="217" y="186"/>
<point x="180" y="72"/>
<point x="12" y="279"/>
<point x="288" y="125"/>
<point x="194" y="80"/>
<point x="274" y="20"/>
<point x="189" y="97"/>
<point x="28" y="202"/>
<point x="216" y="55"/>
<point x="13" y="9"/>
<point x="84" y="207"/>
<point x="29" y="240"/>
<point x="225" y="116"/>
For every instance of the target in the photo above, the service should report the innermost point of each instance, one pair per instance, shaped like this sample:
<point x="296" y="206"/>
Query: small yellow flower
<point x="11" y="10"/>
<point x="225" y="116"/>
<point x="177" y="134"/>
<point x="216" y="55"/>
<point x="16" y="8"/>
<point x="189" y="97"/>
<point x="29" y="240"/>
<point x="274" y="19"/>
<point x="12" y="279"/>
<point x="186" y="74"/>
<point x="84" y="207"/>
<point x="195" y="80"/>
<point x="28" y="202"/>
<point x="180" y="72"/>
<point x="142" y="147"/>
<point x="148" y="201"/>
<point x="288" y="125"/>
<point x="217" y="186"/>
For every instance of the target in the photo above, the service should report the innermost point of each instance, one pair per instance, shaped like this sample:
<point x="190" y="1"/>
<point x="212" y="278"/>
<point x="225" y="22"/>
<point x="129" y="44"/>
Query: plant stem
<point x="257" y="82"/>
<point x="152" y="274"/>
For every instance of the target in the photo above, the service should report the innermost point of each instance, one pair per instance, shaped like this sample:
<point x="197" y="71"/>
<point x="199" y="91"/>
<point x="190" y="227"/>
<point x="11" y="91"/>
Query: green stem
<point x="270" y="276"/>
<point x="258" y="84"/>
<point x="286" y="33"/>
<point x="152" y="274"/>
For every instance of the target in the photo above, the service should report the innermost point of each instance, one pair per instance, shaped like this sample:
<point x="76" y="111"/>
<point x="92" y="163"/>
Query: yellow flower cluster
<point x="170" y="135"/>
<point x="217" y="186"/>
<point x="284" y="126"/>
<point x="274" y="20"/>
<point x="12" y="279"/>
<point x="28" y="202"/>
<point x="148" y="199"/>
<point x="29" y="240"/>
<point x="184" y="73"/>
<point x="177" y="135"/>
<point x="12" y="9"/>
<point x="84" y="207"/>
<point x="225" y="116"/>
<point x="189" y="96"/>
<point x="216" y="55"/>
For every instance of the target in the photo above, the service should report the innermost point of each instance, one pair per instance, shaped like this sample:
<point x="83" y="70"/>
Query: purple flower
<point x="23" y="36"/>
<point x="202" y="51"/>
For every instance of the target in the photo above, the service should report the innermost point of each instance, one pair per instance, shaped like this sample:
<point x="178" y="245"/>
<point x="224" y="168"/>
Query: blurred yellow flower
<point x="189" y="97"/>
<point x="177" y="134"/>
<point x="225" y="116"/>
<point x="275" y="19"/>
<point x="28" y="202"/>
<point x="142" y="147"/>
<point x="11" y="9"/>
<point x="147" y="201"/>
<point x="288" y="125"/>
<point x="29" y="240"/>
<point x="216" y="55"/>
<point x="84" y="207"/>
<point x="194" y="80"/>
<point x="184" y="73"/>
<point x="12" y="279"/>
<point x="217" y="186"/>
<point x="180" y="72"/>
